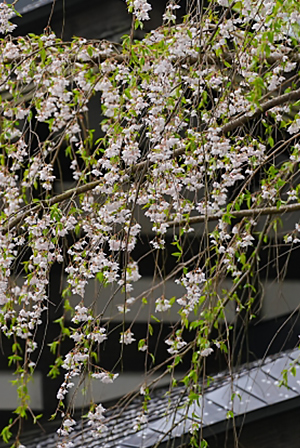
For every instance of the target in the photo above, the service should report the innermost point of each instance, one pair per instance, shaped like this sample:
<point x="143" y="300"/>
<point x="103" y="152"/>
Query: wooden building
<point x="276" y="328"/>
<point x="241" y="409"/>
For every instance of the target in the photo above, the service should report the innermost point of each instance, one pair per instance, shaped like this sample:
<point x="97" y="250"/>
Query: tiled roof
<point x="245" y="392"/>
<point x="24" y="6"/>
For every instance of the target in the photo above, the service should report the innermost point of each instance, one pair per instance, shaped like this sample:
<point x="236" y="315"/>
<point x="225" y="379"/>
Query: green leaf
<point x="177" y="254"/>
<point x="150" y="328"/>
<point x="6" y="434"/>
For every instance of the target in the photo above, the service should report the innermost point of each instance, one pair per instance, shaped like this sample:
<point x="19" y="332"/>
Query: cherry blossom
<point x="195" y="158"/>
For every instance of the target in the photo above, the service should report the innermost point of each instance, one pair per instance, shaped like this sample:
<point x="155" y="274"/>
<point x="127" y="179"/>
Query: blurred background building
<point x="277" y="325"/>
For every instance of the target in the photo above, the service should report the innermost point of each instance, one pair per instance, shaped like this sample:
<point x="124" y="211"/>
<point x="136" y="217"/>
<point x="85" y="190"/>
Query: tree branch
<point x="277" y="101"/>
<point x="73" y="192"/>
<point x="252" y="213"/>
<point x="287" y="97"/>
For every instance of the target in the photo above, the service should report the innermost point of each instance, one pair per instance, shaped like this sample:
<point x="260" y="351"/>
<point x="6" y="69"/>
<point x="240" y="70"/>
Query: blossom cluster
<point x="95" y="420"/>
<point x="140" y="9"/>
<point x="6" y="13"/>
<point x="185" y="154"/>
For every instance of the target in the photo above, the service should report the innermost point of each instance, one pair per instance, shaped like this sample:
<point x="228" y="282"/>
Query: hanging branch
<point x="229" y="127"/>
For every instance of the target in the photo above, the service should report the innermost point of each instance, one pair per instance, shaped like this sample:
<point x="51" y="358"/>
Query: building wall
<point x="277" y="431"/>
<point x="110" y="20"/>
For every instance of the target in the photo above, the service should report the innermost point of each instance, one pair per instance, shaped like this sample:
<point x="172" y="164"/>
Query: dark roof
<point x="24" y="6"/>
<point x="250" y="392"/>
<point x="91" y="19"/>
